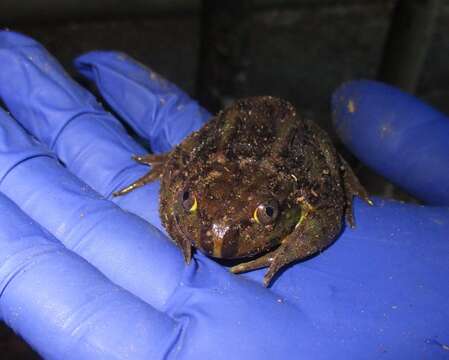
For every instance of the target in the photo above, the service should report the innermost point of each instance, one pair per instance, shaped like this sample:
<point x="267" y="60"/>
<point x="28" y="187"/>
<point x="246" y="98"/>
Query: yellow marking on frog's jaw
<point x="351" y="106"/>
<point x="255" y="216"/>
<point x="301" y="219"/>
<point x="306" y="210"/>
<point x="194" y="206"/>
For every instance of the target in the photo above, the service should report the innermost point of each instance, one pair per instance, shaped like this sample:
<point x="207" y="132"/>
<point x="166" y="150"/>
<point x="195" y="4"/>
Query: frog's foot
<point x="292" y="249"/>
<point x="154" y="174"/>
<point x="157" y="162"/>
<point x="260" y="262"/>
<point x="286" y="253"/>
<point x="289" y="251"/>
<point x="352" y="188"/>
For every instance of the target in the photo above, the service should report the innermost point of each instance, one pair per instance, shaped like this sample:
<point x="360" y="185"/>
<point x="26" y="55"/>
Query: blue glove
<point x="87" y="276"/>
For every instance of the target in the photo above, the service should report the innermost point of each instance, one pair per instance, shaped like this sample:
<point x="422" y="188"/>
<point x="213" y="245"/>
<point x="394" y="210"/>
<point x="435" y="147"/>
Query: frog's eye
<point x="266" y="213"/>
<point x="188" y="201"/>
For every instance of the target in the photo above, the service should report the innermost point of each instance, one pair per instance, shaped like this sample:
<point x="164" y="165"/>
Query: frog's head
<point x="236" y="209"/>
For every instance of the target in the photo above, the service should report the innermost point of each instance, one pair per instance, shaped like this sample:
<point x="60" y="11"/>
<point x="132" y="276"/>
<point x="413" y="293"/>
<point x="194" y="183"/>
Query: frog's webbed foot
<point x="315" y="232"/>
<point x="352" y="188"/>
<point x="156" y="161"/>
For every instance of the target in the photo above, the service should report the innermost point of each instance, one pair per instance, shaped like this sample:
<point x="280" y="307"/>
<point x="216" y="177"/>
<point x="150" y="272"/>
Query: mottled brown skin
<point x="256" y="181"/>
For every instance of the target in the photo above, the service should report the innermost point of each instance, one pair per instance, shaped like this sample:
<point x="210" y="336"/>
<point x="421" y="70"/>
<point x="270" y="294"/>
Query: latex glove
<point x="129" y="294"/>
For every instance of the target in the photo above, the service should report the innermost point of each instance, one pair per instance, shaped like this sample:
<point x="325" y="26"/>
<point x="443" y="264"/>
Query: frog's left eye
<point x="266" y="213"/>
<point x="188" y="201"/>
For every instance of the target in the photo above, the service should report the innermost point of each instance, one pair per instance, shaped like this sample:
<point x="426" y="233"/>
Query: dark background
<point x="299" y="50"/>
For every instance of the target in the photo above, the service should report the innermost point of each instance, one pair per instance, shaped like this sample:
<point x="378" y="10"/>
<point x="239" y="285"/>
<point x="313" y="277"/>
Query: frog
<point x="258" y="184"/>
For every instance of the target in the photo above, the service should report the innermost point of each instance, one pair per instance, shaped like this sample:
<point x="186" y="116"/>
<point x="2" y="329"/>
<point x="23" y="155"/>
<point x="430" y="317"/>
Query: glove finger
<point x="67" y="118"/>
<point x="156" y="109"/>
<point x="397" y="135"/>
<point x="124" y="247"/>
<point x="63" y="307"/>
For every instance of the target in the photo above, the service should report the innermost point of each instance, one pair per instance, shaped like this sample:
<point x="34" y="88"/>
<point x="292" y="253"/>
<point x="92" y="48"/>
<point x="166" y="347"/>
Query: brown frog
<point x="257" y="181"/>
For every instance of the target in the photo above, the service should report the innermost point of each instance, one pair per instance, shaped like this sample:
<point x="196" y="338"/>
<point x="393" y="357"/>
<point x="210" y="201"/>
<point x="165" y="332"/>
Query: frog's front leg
<point x="316" y="230"/>
<point x="260" y="262"/>
<point x="156" y="161"/>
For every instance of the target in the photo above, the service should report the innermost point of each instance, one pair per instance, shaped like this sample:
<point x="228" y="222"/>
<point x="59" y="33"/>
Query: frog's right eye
<point x="188" y="201"/>
<point x="267" y="213"/>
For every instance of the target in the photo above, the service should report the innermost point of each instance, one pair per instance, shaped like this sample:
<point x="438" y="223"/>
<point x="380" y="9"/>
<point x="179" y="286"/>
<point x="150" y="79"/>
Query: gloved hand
<point x="87" y="276"/>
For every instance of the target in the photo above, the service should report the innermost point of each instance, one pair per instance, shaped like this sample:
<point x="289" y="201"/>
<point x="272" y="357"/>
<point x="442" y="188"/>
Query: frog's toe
<point x="237" y="269"/>
<point x="150" y="159"/>
<point x="244" y="267"/>
<point x="187" y="252"/>
<point x="268" y="277"/>
<point x="349" y="214"/>
<point x="275" y="266"/>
